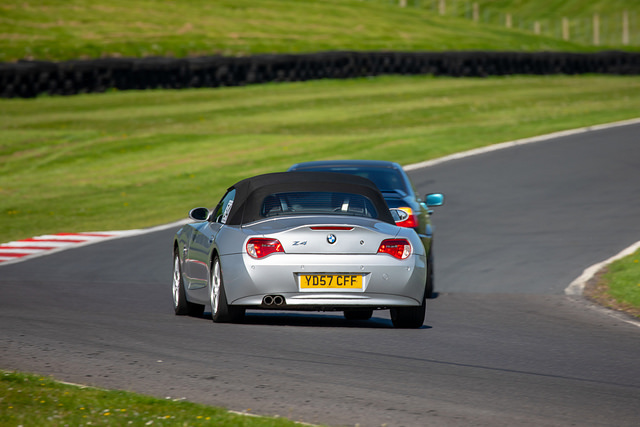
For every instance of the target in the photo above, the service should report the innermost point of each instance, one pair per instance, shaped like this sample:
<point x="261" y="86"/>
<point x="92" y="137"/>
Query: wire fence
<point x="612" y="29"/>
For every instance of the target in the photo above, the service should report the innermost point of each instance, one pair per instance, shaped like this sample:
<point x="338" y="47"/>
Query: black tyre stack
<point x="26" y="79"/>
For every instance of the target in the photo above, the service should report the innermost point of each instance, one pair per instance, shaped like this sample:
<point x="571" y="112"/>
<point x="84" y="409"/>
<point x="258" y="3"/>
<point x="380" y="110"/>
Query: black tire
<point x="221" y="311"/>
<point x="180" y="304"/>
<point x="358" y="314"/>
<point x="409" y="317"/>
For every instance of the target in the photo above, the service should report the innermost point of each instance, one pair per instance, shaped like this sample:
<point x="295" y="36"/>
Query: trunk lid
<point x="325" y="235"/>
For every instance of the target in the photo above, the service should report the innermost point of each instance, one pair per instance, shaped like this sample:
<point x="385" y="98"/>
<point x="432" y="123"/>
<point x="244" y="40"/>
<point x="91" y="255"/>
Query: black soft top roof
<point x="251" y="192"/>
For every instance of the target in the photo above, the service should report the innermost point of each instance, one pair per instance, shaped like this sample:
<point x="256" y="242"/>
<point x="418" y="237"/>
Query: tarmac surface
<point x="501" y="345"/>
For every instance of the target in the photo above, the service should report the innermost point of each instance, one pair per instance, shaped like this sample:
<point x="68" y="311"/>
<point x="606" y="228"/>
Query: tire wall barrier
<point x="28" y="79"/>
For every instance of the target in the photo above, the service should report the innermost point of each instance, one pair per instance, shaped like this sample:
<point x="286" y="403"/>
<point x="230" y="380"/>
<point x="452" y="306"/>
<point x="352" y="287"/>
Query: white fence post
<point x="565" y="29"/>
<point x="476" y="12"/>
<point x="507" y="20"/>
<point x="536" y="27"/>
<point x="403" y="3"/>
<point x="625" y="28"/>
<point x="596" y="29"/>
<point x="442" y="7"/>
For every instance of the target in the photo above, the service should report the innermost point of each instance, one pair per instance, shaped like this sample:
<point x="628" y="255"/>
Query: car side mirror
<point x="434" y="199"/>
<point x="199" y="214"/>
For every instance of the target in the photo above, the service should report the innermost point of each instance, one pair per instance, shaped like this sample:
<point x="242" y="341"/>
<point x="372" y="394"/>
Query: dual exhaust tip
<point x="273" y="300"/>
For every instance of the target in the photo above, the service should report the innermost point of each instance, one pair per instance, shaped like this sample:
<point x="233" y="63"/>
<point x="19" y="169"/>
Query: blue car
<point x="408" y="209"/>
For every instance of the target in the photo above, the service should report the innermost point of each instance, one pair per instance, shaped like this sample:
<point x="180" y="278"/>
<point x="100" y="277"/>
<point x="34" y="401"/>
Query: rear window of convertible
<point x="321" y="203"/>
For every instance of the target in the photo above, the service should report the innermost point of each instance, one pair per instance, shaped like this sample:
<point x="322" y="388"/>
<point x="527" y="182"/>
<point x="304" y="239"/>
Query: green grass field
<point x="136" y="159"/>
<point x="36" y="401"/>
<point x="619" y="287"/>
<point x="549" y="15"/>
<point x="71" y="29"/>
<point x="549" y="9"/>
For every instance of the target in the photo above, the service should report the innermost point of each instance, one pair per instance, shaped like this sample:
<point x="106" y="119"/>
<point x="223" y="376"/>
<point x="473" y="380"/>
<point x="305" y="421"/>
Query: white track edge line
<point x="115" y="235"/>
<point x="524" y="141"/>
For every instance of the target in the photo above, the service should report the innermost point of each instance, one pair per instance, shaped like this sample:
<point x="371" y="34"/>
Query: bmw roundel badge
<point x="331" y="238"/>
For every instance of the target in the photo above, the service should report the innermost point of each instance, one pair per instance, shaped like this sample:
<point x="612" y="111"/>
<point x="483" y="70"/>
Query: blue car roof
<point x="346" y="163"/>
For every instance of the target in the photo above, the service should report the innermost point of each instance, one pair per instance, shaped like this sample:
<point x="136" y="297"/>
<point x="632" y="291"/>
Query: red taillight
<point x="411" y="221"/>
<point x="261" y="247"/>
<point x="397" y="248"/>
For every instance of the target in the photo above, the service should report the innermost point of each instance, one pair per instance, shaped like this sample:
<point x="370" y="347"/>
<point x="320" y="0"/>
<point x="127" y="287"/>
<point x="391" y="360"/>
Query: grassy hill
<point x="70" y="29"/>
<point x="550" y="9"/>
<point x="549" y="15"/>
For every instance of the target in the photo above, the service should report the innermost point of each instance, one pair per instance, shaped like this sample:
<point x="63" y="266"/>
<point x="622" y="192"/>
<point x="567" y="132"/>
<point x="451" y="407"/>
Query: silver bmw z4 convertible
<point x="318" y="241"/>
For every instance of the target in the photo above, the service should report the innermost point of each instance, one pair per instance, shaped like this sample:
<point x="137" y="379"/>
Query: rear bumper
<point x="387" y="282"/>
<point x="328" y="302"/>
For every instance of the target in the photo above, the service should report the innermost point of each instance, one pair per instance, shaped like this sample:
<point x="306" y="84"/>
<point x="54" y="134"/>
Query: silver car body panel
<point x="387" y="281"/>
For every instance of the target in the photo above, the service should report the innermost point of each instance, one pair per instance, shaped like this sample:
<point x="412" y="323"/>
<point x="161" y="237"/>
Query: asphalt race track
<point x="501" y="346"/>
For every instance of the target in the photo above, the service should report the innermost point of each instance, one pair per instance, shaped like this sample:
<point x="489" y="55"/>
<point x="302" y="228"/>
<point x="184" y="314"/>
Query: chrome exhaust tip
<point x="270" y="300"/>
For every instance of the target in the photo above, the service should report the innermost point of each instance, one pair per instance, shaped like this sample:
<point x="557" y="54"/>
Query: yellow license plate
<point x="330" y="281"/>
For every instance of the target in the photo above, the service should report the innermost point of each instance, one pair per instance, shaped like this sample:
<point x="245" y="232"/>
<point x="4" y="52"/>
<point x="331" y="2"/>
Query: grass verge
<point x="72" y="29"/>
<point x="28" y="400"/>
<point x="618" y="286"/>
<point x="136" y="159"/>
